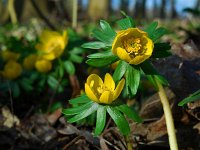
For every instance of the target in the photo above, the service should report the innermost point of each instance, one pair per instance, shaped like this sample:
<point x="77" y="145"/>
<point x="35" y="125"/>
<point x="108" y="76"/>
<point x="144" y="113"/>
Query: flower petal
<point x="149" y="47"/>
<point x="139" y="59"/>
<point x="122" y="54"/>
<point x="119" y="89"/>
<point x="97" y="81"/>
<point x="108" y="82"/>
<point x="90" y="93"/>
<point x="106" y="97"/>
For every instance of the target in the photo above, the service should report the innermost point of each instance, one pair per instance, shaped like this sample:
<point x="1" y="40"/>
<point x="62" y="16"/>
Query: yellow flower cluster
<point x="51" y="46"/>
<point x="103" y="92"/>
<point x="12" y="68"/>
<point x="132" y="45"/>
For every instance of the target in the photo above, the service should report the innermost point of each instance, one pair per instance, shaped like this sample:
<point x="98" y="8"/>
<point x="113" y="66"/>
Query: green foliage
<point x="83" y="107"/>
<point x="192" y="98"/>
<point x="132" y="80"/>
<point x="120" y="70"/>
<point x="155" y="33"/>
<point x="126" y="23"/>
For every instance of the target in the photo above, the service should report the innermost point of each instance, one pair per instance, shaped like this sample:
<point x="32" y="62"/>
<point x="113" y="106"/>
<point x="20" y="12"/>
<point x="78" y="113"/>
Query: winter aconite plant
<point x="38" y="63"/>
<point x="132" y="48"/>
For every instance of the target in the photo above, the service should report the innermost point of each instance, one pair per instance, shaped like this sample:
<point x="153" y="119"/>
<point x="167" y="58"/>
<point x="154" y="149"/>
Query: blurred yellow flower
<point x="12" y="70"/>
<point x="43" y="65"/>
<point x="103" y="92"/>
<point x="52" y="44"/>
<point x="132" y="45"/>
<point x="29" y="61"/>
<point x="8" y="55"/>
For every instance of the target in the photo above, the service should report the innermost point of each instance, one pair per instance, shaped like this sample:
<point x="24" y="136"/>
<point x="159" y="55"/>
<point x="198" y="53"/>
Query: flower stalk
<point x="12" y="12"/>
<point x="168" y="116"/>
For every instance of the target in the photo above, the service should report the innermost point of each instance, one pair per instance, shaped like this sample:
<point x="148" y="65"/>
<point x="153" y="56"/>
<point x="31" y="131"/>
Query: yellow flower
<point x="29" y="62"/>
<point x="103" y="92"/>
<point x="43" y="65"/>
<point x="12" y="70"/>
<point x="132" y="45"/>
<point x="8" y="55"/>
<point x="52" y="44"/>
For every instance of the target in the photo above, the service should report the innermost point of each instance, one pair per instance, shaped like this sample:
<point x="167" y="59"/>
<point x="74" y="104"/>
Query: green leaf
<point x="154" y="33"/>
<point x="107" y="29"/>
<point x="104" y="54"/>
<point x="194" y="97"/>
<point x="100" y="120"/>
<point x="84" y="113"/>
<point x="162" y="79"/>
<point x="94" y="45"/>
<point x="100" y="62"/>
<point x="77" y="50"/>
<point x="78" y="109"/>
<point x="61" y="71"/>
<point x="79" y="100"/>
<point x="69" y="67"/>
<point x="126" y="23"/>
<point x="98" y="34"/>
<point x="119" y="120"/>
<point x="132" y="79"/>
<point x="75" y="58"/>
<point x="148" y="68"/>
<point x="130" y="112"/>
<point x="15" y="90"/>
<point x="55" y="106"/>
<point x="120" y="70"/>
<point x="26" y="84"/>
<point x="151" y="29"/>
<point x="52" y="82"/>
<point x="159" y="33"/>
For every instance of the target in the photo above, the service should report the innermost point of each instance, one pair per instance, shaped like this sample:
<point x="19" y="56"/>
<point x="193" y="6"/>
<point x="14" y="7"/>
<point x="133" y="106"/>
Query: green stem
<point x="74" y="13"/>
<point x="128" y="143"/>
<point x="168" y="116"/>
<point x="12" y="12"/>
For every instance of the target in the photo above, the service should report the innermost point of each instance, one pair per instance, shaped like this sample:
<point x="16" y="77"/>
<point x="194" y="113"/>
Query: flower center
<point x="133" y="46"/>
<point x="103" y="88"/>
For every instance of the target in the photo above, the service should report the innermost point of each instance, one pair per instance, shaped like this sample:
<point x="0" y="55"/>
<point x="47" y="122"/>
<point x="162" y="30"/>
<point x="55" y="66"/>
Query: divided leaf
<point x="100" y="120"/>
<point x="119" y="120"/>
<point x="126" y="23"/>
<point x="78" y="109"/>
<point x="79" y="100"/>
<point x="131" y="113"/>
<point x="94" y="45"/>
<point x="120" y="70"/>
<point x="100" y="62"/>
<point x="132" y="79"/>
<point x="84" y="113"/>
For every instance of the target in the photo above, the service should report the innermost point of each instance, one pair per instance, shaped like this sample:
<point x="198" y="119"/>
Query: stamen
<point x="134" y="47"/>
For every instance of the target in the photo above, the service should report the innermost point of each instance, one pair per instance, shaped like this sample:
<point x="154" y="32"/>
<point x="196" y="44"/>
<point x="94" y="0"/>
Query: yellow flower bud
<point x="52" y="44"/>
<point x="8" y="55"/>
<point x="103" y="92"/>
<point x="43" y="65"/>
<point x="132" y="45"/>
<point x="29" y="62"/>
<point x="12" y="70"/>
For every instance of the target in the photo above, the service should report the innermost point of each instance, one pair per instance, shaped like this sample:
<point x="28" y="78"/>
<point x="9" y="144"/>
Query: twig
<point x="74" y="14"/>
<point x="72" y="142"/>
<point x="168" y="116"/>
<point x="11" y="10"/>
<point x="46" y="20"/>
